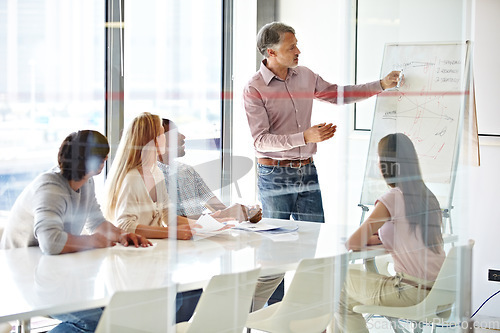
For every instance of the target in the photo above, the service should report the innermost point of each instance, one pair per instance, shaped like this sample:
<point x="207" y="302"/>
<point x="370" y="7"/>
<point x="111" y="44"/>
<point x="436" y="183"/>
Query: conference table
<point x="33" y="284"/>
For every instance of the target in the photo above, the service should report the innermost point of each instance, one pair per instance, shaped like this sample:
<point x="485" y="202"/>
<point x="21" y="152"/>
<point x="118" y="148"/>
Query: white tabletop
<point x="34" y="284"/>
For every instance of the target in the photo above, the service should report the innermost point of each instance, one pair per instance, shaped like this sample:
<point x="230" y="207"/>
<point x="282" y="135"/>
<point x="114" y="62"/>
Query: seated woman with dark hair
<point x="406" y="220"/>
<point x="52" y="211"/>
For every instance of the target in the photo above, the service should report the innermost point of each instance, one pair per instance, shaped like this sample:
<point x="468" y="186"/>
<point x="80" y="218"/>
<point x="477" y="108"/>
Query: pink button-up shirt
<point x="279" y="111"/>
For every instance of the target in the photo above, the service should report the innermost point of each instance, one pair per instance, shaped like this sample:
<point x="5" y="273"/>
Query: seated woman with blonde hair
<point x="136" y="196"/>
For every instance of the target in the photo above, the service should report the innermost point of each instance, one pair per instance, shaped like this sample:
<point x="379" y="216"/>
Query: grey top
<point x="47" y="210"/>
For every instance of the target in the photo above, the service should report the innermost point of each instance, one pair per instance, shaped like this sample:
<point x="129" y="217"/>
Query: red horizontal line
<point x="353" y="94"/>
<point x="213" y="95"/>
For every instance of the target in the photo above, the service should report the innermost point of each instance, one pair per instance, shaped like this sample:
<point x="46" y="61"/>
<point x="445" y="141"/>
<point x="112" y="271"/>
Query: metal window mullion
<point x="227" y="100"/>
<point x="114" y="87"/>
<point x="267" y="11"/>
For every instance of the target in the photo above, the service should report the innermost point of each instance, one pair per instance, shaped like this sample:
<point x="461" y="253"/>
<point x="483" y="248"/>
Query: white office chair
<point x="138" y="311"/>
<point x="311" y="299"/>
<point x="5" y="328"/>
<point x="224" y="304"/>
<point x="453" y="279"/>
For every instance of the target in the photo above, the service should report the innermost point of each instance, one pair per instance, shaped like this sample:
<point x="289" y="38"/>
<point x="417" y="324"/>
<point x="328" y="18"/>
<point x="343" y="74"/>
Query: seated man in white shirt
<point x="193" y="198"/>
<point x="193" y="195"/>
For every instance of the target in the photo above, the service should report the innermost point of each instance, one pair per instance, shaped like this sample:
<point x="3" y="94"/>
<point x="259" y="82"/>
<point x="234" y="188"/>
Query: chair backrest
<point x="5" y="328"/>
<point x="385" y="265"/>
<point x="225" y="303"/>
<point x="452" y="286"/>
<point x="314" y="293"/>
<point x="142" y="310"/>
<point x="450" y="282"/>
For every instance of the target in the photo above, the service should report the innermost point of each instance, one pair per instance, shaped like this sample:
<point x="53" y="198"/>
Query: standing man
<point x="278" y="103"/>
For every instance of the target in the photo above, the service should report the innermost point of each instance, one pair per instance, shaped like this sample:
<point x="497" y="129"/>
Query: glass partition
<point x="346" y="46"/>
<point x="52" y="54"/>
<point x="172" y="56"/>
<point x="431" y="110"/>
<point x="421" y="106"/>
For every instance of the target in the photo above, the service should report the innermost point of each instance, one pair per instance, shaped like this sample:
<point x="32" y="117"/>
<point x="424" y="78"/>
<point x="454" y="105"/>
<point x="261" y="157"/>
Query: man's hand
<point x="117" y="235"/>
<point x="391" y="80"/>
<point x="134" y="239"/>
<point x="234" y="212"/>
<point x="239" y="213"/>
<point x="86" y="242"/>
<point x="254" y="213"/>
<point x="98" y="241"/>
<point x="319" y="133"/>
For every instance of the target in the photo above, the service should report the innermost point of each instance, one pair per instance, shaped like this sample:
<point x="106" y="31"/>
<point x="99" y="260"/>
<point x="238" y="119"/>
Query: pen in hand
<point x="400" y="78"/>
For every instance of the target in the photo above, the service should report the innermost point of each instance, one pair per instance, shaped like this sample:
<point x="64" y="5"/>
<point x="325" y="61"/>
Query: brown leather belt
<point x="284" y="163"/>
<point x="416" y="284"/>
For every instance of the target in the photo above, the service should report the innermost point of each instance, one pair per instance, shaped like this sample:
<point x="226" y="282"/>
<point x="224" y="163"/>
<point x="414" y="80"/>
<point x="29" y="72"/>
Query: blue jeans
<point x="79" y="321"/>
<point x="285" y="191"/>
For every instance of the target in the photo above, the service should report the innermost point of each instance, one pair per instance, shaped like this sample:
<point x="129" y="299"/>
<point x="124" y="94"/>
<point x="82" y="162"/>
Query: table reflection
<point x="37" y="284"/>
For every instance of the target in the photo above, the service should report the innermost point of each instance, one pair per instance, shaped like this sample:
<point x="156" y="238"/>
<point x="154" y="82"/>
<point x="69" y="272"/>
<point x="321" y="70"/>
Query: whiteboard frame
<point x="447" y="203"/>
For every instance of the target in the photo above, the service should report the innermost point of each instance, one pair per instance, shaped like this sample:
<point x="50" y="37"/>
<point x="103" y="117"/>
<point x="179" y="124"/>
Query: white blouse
<point x="134" y="205"/>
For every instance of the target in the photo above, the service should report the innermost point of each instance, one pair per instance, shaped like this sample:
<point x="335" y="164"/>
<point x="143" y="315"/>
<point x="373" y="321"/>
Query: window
<point x="172" y="67"/>
<point x="52" y="83"/>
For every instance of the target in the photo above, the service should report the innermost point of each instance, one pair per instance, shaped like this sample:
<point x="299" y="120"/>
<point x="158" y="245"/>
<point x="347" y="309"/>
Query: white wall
<point x="485" y="180"/>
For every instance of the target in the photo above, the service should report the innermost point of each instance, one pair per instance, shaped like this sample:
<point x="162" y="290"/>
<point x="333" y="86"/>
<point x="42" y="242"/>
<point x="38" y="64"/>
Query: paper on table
<point x="283" y="229"/>
<point x="249" y="226"/>
<point x="283" y="237"/>
<point x="210" y="227"/>
<point x="277" y="233"/>
<point x="266" y="228"/>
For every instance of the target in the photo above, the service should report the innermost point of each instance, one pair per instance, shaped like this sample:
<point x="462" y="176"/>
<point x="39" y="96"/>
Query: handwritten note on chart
<point x="427" y="106"/>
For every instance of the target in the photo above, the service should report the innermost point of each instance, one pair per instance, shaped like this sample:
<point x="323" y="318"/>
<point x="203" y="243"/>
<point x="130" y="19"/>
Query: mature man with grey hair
<point x="278" y="103"/>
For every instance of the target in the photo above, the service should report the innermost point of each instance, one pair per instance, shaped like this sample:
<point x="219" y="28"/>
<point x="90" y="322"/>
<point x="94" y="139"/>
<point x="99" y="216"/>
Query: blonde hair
<point x="142" y="132"/>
